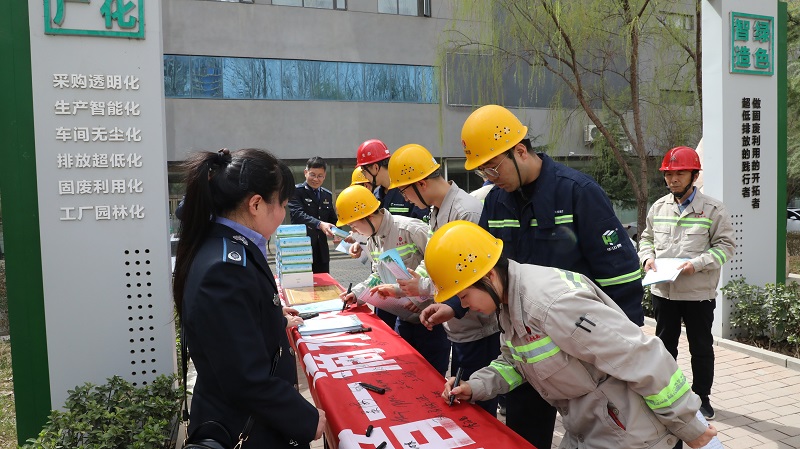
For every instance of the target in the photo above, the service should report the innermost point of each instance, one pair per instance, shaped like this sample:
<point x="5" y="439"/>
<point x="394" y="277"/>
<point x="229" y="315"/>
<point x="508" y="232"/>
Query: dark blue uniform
<point x="393" y="201"/>
<point x="305" y="208"/>
<point x="568" y="223"/>
<point x="236" y="334"/>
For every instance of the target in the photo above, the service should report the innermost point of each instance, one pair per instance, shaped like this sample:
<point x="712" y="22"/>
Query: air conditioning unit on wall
<point x="590" y="133"/>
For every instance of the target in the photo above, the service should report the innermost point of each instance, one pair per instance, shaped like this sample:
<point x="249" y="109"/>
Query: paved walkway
<point x="757" y="402"/>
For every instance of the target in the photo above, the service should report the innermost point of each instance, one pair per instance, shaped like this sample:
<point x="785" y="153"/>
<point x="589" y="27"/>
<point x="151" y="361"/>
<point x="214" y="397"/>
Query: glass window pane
<point x="267" y="79"/>
<point x="206" y="77"/>
<point x="405" y="81"/>
<point x="378" y="82"/>
<point x="323" y="79"/>
<point x="176" y="76"/>
<point x="387" y="6"/>
<point x="408" y="7"/>
<point x="427" y="86"/>
<point x="237" y="78"/>
<point x="351" y="81"/>
<point x="326" y="4"/>
<point x="288" y="2"/>
<point x="290" y="80"/>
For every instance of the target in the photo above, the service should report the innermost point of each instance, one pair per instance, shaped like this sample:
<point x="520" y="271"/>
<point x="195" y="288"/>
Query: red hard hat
<point x="371" y="151"/>
<point x="680" y="158"/>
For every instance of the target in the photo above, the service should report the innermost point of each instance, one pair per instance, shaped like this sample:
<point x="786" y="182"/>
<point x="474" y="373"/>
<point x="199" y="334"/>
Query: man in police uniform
<point x="312" y="206"/>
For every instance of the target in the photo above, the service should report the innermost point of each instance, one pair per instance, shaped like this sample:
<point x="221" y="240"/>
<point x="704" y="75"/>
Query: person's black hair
<point x="383" y="162"/>
<point x="316" y="162"/>
<point x="435" y="174"/>
<point x="217" y="184"/>
<point x="528" y="145"/>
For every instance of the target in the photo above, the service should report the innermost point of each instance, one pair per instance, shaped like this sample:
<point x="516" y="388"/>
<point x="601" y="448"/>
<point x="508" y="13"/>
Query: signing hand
<point x="349" y="298"/>
<point x="436" y="313"/>
<point x="463" y="391"/>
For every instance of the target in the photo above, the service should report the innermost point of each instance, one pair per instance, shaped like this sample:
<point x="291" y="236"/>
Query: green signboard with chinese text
<point x="752" y="44"/>
<point x="102" y="18"/>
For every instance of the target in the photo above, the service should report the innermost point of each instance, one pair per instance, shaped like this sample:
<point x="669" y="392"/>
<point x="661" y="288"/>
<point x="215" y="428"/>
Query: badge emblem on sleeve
<point x="234" y="256"/>
<point x="276" y="299"/>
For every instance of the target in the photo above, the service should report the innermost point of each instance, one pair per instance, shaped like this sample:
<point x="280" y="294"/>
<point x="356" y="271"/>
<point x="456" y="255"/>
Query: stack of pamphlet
<point x="326" y="324"/>
<point x="294" y="256"/>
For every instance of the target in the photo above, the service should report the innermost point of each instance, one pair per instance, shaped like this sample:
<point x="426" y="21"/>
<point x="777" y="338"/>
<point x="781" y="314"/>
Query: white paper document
<point x="329" y="323"/>
<point x="715" y="443"/>
<point x="668" y="271"/>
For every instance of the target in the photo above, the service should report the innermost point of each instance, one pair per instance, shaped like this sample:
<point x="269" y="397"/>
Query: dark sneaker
<point x="706" y="409"/>
<point x="501" y="410"/>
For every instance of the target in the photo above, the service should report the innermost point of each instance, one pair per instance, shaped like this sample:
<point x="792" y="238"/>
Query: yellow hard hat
<point x="458" y="255"/>
<point x="488" y="132"/>
<point x="358" y="177"/>
<point x="354" y="203"/>
<point x="409" y="164"/>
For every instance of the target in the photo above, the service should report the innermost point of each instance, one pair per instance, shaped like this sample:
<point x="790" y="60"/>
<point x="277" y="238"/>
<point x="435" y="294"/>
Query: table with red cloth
<point x="411" y="413"/>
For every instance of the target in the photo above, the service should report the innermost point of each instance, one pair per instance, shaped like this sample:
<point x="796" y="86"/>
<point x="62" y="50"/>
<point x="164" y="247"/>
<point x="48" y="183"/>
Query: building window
<point x="405" y="7"/>
<point x="677" y="97"/>
<point x="322" y="4"/>
<point x="291" y="79"/>
<point x="678" y="21"/>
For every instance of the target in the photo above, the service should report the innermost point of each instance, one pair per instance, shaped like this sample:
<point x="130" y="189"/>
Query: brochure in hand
<point x="329" y="323"/>
<point x="668" y="271"/>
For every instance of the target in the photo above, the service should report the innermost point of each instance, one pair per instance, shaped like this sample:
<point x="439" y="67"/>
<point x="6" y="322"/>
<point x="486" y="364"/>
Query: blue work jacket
<point x="568" y="223"/>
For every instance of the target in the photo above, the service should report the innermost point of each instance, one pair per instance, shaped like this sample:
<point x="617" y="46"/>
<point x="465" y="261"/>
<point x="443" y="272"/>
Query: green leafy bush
<point x="770" y="313"/>
<point x="115" y="415"/>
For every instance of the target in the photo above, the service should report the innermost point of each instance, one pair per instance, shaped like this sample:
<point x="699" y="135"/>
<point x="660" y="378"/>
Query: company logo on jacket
<point x="611" y="240"/>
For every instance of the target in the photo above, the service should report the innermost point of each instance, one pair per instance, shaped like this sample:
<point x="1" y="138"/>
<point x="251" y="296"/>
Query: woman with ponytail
<point x="227" y="300"/>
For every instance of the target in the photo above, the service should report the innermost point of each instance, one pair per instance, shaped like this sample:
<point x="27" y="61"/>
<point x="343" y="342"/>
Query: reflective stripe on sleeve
<point x="573" y="280"/>
<point x="399" y="210"/>
<point x="406" y="249"/>
<point x="625" y="278"/>
<point x="535" y="351"/>
<point x="719" y="255"/>
<point x="668" y="395"/>
<point x="510" y="375"/>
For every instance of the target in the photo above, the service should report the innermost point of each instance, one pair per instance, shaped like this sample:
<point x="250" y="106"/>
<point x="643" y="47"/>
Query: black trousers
<point x="530" y="416"/>
<point x="698" y="316"/>
<point x="321" y="253"/>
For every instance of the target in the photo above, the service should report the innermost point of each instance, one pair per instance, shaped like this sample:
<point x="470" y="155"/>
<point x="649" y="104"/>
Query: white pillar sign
<point x="740" y="134"/>
<point x="102" y="189"/>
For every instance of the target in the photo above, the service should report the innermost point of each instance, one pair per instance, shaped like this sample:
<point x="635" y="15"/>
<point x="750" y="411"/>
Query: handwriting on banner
<point x="433" y="433"/>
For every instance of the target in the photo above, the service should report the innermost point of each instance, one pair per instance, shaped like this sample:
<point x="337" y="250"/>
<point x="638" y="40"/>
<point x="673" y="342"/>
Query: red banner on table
<point x="410" y="414"/>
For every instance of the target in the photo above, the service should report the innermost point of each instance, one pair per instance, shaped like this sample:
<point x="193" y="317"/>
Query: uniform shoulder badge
<point x="240" y="238"/>
<point x="233" y="252"/>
